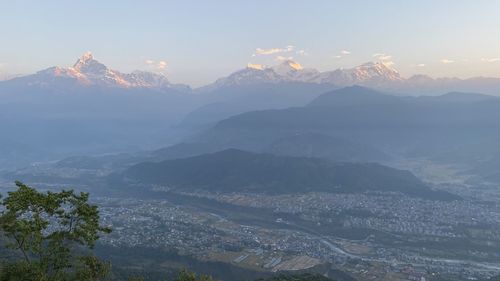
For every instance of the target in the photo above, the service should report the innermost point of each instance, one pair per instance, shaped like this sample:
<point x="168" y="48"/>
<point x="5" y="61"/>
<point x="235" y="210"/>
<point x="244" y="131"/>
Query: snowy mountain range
<point x="368" y="74"/>
<point x="89" y="72"/>
<point x="378" y="75"/>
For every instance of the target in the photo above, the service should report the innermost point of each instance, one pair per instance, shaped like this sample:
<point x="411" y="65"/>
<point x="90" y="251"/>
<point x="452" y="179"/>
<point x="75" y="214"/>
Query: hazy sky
<point x="202" y="40"/>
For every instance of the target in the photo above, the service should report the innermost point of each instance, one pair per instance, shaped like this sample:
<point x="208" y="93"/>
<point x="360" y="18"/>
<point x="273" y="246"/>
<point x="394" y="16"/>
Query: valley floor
<point x="369" y="236"/>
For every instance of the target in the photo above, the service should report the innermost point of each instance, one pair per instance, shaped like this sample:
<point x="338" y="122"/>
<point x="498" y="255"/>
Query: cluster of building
<point x="160" y="224"/>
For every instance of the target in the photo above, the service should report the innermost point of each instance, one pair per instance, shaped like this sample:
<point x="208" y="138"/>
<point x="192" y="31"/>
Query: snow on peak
<point x="286" y="71"/>
<point x="147" y="79"/>
<point x="379" y="69"/>
<point x="286" y="67"/>
<point x="380" y="65"/>
<point x="88" y="71"/>
<point x="86" y="65"/>
<point x="376" y="69"/>
<point x="294" y="65"/>
<point x="85" y="59"/>
<point x="368" y="74"/>
<point x="87" y="56"/>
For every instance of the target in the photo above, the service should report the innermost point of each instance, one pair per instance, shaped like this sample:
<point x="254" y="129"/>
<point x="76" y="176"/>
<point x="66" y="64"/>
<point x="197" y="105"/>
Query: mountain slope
<point x="404" y="126"/>
<point x="353" y="96"/>
<point x="324" y="146"/>
<point x="239" y="171"/>
<point x="232" y="100"/>
<point x="87" y="109"/>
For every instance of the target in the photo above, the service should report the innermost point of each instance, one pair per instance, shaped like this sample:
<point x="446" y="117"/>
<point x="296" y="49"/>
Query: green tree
<point x="53" y="233"/>
<point x="185" y="275"/>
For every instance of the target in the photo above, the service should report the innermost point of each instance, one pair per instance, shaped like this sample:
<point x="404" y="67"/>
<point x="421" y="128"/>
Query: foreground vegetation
<point x="50" y="236"/>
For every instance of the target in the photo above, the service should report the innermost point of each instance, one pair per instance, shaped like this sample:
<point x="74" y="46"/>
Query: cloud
<point x="301" y="52"/>
<point x="160" y="65"/>
<point x="421" y="64"/>
<point x="282" y="58"/>
<point x="271" y="51"/>
<point x="255" y="66"/>
<point x="342" y="54"/>
<point x="4" y="74"/>
<point x="490" y="59"/>
<point x="261" y="51"/>
<point x="447" y="61"/>
<point x="384" y="58"/>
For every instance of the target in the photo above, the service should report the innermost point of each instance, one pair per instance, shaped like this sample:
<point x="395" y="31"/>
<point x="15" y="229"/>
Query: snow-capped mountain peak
<point x="293" y="71"/>
<point x="147" y="79"/>
<point x="367" y="74"/>
<point x="87" y="64"/>
<point x="85" y="58"/>
<point x="286" y="67"/>
<point x="252" y="74"/>
<point x="374" y="69"/>
<point x="88" y="71"/>
<point x="286" y="71"/>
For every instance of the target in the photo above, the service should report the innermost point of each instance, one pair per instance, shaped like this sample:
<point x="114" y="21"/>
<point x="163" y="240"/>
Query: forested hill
<point x="235" y="170"/>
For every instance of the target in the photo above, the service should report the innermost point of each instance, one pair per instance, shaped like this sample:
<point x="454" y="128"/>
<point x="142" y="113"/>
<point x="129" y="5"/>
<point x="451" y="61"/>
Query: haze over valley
<point x="250" y="150"/>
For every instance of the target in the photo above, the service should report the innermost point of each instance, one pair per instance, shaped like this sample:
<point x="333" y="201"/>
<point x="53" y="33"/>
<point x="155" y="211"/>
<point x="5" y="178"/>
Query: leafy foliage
<point x="52" y="232"/>
<point x="186" y="275"/>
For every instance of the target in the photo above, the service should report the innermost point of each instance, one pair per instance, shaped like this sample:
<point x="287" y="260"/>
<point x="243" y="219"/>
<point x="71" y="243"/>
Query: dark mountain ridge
<point x="406" y="126"/>
<point x="234" y="170"/>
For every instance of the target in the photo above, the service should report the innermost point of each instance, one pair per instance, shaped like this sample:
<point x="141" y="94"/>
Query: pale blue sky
<point x="203" y="40"/>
